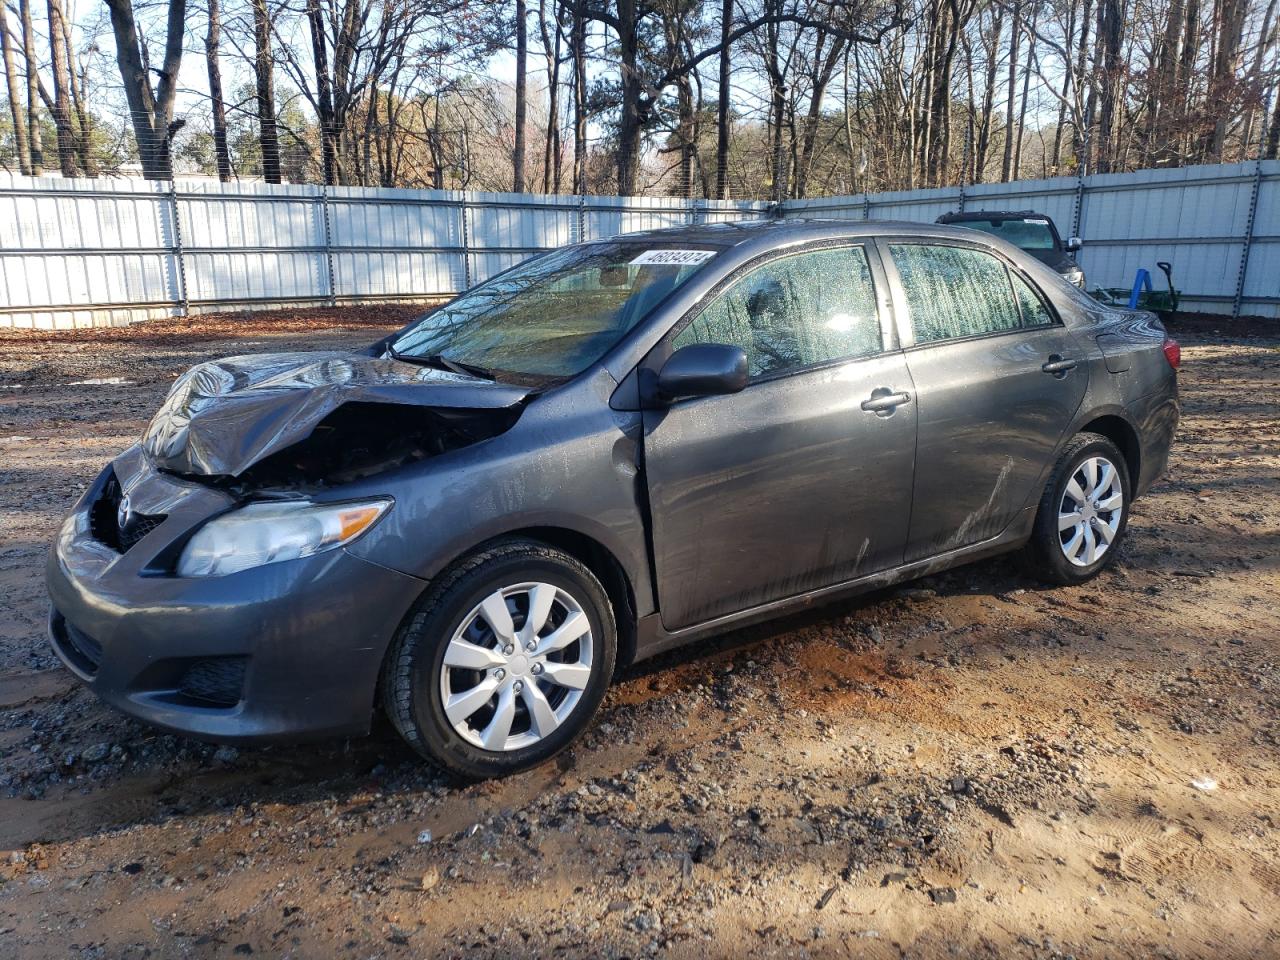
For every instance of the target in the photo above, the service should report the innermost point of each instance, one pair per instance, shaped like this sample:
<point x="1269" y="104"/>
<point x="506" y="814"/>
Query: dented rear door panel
<point x="990" y="419"/>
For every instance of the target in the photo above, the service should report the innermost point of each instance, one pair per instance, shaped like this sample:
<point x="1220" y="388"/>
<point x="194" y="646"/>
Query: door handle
<point x="1058" y="365"/>
<point x="883" y="403"/>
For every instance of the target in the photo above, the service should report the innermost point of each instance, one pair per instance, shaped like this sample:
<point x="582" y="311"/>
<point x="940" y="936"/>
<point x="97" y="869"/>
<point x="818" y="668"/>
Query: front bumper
<point x="284" y="651"/>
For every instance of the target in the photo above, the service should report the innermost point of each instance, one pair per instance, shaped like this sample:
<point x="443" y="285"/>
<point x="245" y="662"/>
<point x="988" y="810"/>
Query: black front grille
<point x="104" y="519"/>
<point x="216" y="681"/>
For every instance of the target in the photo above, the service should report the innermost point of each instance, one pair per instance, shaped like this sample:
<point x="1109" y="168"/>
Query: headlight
<point x="259" y="533"/>
<point x="1075" y="276"/>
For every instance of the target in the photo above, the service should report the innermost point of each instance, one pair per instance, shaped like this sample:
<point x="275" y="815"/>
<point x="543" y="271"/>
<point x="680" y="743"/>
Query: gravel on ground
<point x="972" y="764"/>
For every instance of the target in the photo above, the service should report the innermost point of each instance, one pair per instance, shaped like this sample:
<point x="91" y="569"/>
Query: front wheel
<point x="504" y="661"/>
<point x="1082" y="516"/>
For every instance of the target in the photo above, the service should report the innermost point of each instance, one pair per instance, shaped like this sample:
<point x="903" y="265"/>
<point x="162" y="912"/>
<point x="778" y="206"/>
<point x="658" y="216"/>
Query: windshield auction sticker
<point x="672" y="258"/>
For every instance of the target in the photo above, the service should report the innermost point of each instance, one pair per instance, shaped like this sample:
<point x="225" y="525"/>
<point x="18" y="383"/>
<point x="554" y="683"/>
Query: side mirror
<point x="1073" y="244"/>
<point x="703" y="370"/>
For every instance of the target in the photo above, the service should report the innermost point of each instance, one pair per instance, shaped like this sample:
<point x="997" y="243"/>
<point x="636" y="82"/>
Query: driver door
<point x="793" y="484"/>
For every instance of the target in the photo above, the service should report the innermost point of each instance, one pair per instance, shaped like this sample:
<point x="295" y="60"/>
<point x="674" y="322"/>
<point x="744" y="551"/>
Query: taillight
<point x="1172" y="352"/>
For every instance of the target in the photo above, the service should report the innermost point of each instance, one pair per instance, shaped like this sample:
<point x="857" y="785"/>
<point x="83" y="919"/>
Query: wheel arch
<point x="592" y="554"/>
<point x="1122" y="433"/>
<point x="599" y="559"/>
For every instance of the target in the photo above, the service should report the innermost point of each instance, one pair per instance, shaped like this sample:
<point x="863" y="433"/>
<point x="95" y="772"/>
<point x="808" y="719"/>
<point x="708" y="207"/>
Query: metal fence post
<point x="1254" y="189"/>
<point x="582" y="216"/>
<point x="866" y="205"/>
<point x="328" y="243"/>
<point x="1077" y="213"/>
<point x="183" y="302"/>
<point x="466" y="243"/>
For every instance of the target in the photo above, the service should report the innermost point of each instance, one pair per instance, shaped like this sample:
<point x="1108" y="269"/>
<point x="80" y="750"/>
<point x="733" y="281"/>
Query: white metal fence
<point x="1218" y="226"/>
<point x="103" y="252"/>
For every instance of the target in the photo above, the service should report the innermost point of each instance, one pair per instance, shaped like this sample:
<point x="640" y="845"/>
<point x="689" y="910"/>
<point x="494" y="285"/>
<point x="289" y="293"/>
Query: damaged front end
<point x="302" y="421"/>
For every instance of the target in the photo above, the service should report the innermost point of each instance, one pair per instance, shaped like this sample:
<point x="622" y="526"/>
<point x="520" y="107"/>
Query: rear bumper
<point x="284" y="651"/>
<point x="1160" y="413"/>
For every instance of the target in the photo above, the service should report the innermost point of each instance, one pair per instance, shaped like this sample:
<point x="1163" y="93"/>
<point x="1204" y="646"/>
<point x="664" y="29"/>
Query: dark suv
<point x="1030" y="231"/>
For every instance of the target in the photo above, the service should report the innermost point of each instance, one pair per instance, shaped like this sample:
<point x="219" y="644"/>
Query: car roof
<point x="768" y="234"/>
<point x="990" y="215"/>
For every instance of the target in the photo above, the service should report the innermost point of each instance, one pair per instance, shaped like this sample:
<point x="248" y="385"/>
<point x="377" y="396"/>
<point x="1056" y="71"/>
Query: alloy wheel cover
<point x="516" y="667"/>
<point x="1090" y="511"/>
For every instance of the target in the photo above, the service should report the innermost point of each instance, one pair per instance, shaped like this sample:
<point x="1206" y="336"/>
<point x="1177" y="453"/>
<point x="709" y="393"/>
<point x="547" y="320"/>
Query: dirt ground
<point x="970" y="765"/>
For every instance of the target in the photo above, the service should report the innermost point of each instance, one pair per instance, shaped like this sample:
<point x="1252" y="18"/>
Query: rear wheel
<point x="504" y="661"/>
<point x="1082" y="516"/>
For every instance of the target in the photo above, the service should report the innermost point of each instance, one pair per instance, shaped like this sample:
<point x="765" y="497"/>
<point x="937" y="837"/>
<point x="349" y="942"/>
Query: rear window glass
<point x="1034" y="311"/>
<point x="1030" y="234"/>
<point x="954" y="292"/>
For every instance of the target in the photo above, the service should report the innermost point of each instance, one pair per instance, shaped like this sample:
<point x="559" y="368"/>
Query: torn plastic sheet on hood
<point x="223" y="416"/>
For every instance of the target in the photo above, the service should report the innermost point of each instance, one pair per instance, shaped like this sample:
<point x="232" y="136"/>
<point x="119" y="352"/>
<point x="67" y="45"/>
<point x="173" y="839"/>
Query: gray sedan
<point x="605" y="452"/>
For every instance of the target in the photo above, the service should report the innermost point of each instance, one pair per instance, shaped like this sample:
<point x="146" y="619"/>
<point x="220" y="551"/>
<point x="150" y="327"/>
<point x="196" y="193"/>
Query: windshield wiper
<point x="441" y="362"/>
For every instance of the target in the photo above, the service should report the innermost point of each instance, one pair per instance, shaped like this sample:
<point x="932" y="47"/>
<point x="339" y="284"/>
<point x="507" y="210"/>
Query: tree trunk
<point x="32" y="71"/>
<point x="21" y="143"/>
<point x="629" y="122"/>
<point x="151" y="108"/>
<point x="1226" y="64"/>
<point x="988" y="99"/>
<point x="686" y="135"/>
<point x="222" y="155"/>
<point x="820" y="80"/>
<point x="1080" y="123"/>
<point x="1067" y="40"/>
<point x="62" y="90"/>
<point x="1111" y="36"/>
<point x="1011" y="111"/>
<point x="551" y="144"/>
<point x="82" y="124"/>
<point x="1022" y="107"/>
<point x="522" y="66"/>
<point x="777" y="112"/>
<point x="579" y="44"/>
<point x="722" y="107"/>
<point x="1273" y="131"/>
<point x="264" y="76"/>
<point x="324" y="92"/>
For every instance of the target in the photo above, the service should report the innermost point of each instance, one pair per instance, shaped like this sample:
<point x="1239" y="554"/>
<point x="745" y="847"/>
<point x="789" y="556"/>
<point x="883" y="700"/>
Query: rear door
<point x="998" y="379"/>
<point x="790" y="485"/>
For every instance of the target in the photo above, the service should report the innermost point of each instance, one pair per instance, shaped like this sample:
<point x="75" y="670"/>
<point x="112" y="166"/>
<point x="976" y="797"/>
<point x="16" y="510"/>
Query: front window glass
<point x="1033" y="233"/>
<point x="954" y="291"/>
<point x="553" y="316"/>
<point x="794" y="312"/>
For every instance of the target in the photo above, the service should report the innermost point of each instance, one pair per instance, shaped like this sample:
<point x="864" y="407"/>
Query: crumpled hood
<point x="223" y="416"/>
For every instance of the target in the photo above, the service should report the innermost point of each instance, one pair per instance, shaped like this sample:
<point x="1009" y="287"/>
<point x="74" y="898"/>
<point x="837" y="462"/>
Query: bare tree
<point x="265" y="89"/>
<point x="32" y="71"/>
<point x="522" y="67"/>
<point x="150" y="108"/>
<point x="21" y="143"/>
<point x="60" y="106"/>
<point x="217" y="104"/>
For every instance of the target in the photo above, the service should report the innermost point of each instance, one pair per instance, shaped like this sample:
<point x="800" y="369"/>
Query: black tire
<point x="411" y="673"/>
<point x="1045" y="550"/>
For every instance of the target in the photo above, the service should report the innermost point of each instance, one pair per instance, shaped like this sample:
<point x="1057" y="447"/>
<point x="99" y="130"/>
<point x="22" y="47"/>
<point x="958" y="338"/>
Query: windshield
<point x="553" y="316"/>
<point x="1033" y="233"/>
